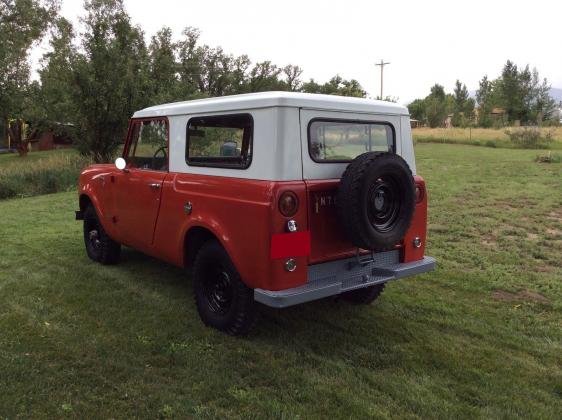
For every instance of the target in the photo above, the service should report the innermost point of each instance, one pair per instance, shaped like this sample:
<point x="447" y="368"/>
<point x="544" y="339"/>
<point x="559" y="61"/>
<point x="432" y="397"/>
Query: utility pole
<point x="382" y="64"/>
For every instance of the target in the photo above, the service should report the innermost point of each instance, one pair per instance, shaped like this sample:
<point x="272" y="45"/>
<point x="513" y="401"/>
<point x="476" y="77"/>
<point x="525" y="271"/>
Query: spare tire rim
<point x="383" y="204"/>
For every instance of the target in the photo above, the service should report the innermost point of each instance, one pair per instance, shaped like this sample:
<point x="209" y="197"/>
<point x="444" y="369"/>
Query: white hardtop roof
<point x="274" y="99"/>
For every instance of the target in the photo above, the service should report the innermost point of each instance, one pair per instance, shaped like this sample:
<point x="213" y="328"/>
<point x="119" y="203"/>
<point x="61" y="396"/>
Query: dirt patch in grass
<point x="532" y="236"/>
<point x="545" y="269"/>
<point x="553" y="232"/>
<point x="489" y="241"/>
<point x="522" y="295"/>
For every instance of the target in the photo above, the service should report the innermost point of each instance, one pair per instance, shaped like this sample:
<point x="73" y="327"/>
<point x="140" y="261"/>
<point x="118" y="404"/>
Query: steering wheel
<point x="154" y="157"/>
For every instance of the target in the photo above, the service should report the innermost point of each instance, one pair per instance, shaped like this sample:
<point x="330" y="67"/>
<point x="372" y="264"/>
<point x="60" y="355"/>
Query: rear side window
<point x="342" y="141"/>
<point x="223" y="141"/>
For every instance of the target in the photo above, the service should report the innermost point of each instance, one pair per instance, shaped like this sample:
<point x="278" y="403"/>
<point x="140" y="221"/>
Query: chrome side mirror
<point x="120" y="163"/>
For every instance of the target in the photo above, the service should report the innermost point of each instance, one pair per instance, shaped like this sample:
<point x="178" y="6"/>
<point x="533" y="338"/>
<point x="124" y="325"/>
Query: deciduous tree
<point x="22" y="24"/>
<point x="111" y="78"/>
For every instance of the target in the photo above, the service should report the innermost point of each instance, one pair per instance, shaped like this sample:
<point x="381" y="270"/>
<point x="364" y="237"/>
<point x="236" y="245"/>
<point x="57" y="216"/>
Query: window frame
<point x="130" y="132"/>
<point x="350" y="121"/>
<point x="218" y="162"/>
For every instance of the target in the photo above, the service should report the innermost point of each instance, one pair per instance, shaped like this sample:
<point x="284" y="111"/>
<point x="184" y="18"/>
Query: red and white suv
<point x="278" y="198"/>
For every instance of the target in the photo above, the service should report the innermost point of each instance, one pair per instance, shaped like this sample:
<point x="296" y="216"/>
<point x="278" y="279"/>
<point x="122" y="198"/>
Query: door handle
<point x="154" y="185"/>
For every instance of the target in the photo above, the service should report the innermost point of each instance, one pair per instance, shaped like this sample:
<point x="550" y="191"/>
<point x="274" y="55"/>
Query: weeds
<point x="530" y="138"/>
<point x="548" y="158"/>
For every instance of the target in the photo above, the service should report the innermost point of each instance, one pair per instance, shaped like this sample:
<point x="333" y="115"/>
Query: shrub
<point x="548" y="158"/>
<point x="529" y="138"/>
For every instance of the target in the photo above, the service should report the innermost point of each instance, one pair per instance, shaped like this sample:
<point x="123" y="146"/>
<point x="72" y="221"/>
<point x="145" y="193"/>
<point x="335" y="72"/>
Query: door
<point x="138" y="188"/>
<point x="330" y="140"/>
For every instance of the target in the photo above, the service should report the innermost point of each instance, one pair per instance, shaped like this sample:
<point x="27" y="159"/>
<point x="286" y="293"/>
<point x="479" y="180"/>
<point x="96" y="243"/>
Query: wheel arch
<point x="194" y="238"/>
<point x="84" y="201"/>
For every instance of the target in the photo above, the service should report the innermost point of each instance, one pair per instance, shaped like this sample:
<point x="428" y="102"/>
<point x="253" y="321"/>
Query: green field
<point x="479" y="337"/>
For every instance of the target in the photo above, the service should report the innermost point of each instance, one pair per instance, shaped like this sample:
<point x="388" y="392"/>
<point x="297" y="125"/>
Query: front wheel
<point x="99" y="246"/>
<point x="223" y="301"/>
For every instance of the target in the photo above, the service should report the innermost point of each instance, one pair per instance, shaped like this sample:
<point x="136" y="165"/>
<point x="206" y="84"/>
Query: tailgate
<point x="328" y="241"/>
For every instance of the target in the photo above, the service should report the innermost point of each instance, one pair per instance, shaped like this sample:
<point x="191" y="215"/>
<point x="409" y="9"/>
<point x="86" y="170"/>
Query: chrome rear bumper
<point x="335" y="277"/>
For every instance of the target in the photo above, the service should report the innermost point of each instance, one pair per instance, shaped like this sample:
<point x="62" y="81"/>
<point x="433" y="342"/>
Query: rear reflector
<point x="419" y="193"/>
<point x="295" y="244"/>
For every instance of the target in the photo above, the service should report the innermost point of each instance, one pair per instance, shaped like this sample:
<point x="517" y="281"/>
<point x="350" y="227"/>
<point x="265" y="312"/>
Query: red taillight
<point x="288" y="204"/>
<point x="419" y="193"/>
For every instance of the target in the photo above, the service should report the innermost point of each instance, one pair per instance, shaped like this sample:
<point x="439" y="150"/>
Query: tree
<point x="484" y="97"/>
<point x="463" y="107"/>
<point x="292" y="77"/>
<point x="264" y="76"/>
<point x="461" y="96"/>
<point x="22" y="24"/>
<point x="417" y="110"/>
<point x="387" y="98"/>
<point x="57" y="90"/>
<point x="163" y="68"/>
<point x="190" y="65"/>
<point x="436" y="106"/>
<point x="511" y="91"/>
<point x="111" y="77"/>
<point x="540" y="104"/>
<point x="335" y="86"/>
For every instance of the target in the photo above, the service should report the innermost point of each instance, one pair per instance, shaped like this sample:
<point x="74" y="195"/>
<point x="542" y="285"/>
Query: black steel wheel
<point x="218" y="290"/>
<point x="99" y="246"/>
<point x="383" y="204"/>
<point x="223" y="301"/>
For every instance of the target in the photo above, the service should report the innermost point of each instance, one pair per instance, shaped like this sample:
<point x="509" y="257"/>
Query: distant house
<point x="42" y="140"/>
<point x="498" y="113"/>
<point x="49" y="140"/>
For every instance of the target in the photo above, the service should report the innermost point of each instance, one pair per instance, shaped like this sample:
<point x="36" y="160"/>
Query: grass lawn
<point x="479" y="337"/>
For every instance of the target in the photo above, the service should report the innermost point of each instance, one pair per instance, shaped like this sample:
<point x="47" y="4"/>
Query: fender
<point x="253" y="277"/>
<point x="213" y="227"/>
<point x="91" y="183"/>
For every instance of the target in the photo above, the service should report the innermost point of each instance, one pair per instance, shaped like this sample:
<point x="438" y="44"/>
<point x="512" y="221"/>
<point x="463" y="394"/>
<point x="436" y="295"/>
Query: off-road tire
<point x="231" y="309"/>
<point x="364" y="296"/>
<point x="99" y="246"/>
<point x="356" y="202"/>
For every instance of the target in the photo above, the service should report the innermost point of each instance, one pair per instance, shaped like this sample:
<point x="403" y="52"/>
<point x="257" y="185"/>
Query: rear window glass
<point x="342" y="141"/>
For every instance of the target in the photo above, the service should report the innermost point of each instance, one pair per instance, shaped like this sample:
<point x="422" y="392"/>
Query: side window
<point x="148" y="148"/>
<point x="342" y="141"/>
<point x="223" y="141"/>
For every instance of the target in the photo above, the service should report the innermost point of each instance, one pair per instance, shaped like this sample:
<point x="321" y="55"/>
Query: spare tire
<point x="376" y="200"/>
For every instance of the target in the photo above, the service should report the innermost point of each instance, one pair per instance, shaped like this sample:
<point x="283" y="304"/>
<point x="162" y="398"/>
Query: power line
<point x="382" y="64"/>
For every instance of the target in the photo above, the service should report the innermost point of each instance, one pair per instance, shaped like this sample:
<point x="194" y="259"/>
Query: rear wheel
<point x="99" y="246"/>
<point x="223" y="301"/>
<point x="365" y="295"/>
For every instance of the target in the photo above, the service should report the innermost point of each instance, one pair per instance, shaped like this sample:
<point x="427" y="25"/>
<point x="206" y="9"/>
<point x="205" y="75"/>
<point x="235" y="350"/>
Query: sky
<point x="426" y="42"/>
